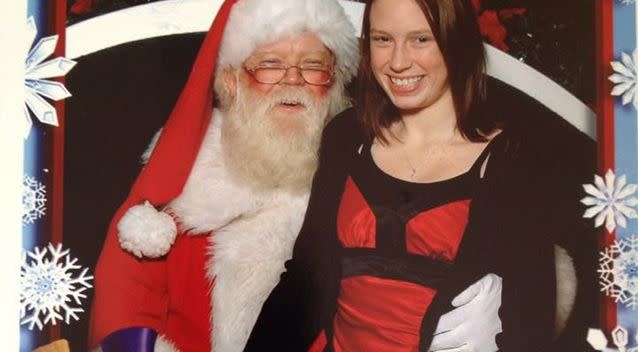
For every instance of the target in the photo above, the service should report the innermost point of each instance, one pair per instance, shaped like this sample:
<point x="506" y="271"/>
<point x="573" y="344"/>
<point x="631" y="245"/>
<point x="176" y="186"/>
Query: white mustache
<point x="289" y="95"/>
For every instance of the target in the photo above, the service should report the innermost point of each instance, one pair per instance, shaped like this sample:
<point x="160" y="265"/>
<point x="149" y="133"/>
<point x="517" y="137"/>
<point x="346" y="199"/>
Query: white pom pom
<point x="146" y="232"/>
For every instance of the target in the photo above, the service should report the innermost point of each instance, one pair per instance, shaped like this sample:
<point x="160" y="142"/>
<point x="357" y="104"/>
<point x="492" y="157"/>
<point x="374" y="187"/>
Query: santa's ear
<point x="230" y="77"/>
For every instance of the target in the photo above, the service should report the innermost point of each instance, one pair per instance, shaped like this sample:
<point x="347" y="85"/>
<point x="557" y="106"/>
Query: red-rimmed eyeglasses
<point x="317" y="76"/>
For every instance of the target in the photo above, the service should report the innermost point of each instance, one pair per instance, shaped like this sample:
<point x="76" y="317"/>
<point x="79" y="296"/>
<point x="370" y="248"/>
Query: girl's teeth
<point x="404" y="81"/>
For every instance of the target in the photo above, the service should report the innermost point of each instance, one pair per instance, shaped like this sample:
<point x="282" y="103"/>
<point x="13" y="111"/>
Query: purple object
<point x="130" y="340"/>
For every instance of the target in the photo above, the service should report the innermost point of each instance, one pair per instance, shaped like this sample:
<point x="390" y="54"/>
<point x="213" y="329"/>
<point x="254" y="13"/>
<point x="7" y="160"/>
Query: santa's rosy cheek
<point x="321" y="90"/>
<point x="255" y="85"/>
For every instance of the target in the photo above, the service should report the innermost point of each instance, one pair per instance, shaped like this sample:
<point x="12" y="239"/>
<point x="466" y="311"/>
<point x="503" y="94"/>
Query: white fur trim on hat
<point x="253" y="23"/>
<point x="146" y="232"/>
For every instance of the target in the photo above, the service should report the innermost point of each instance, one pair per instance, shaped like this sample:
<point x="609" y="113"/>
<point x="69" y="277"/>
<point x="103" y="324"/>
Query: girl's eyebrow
<point x="418" y="31"/>
<point x="421" y="31"/>
<point x="377" y="30"/>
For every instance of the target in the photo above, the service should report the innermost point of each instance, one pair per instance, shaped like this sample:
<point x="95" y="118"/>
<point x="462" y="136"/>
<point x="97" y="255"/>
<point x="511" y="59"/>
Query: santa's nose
<point x="293" y="76"/>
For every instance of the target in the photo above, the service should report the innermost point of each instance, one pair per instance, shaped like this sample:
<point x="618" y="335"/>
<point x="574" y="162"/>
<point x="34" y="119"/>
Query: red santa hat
<point x="239" y="28"/>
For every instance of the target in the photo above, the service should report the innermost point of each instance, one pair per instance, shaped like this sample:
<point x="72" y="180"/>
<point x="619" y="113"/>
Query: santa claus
<point x="202" y="238"/>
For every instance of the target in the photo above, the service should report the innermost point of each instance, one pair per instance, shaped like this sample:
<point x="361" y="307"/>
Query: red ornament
<point x="506" y="14"/>
<point x="83" y="7"/>
<point x="476" y="4"/>
<point x="490" y="24"/>
<point x="492" y="28"/>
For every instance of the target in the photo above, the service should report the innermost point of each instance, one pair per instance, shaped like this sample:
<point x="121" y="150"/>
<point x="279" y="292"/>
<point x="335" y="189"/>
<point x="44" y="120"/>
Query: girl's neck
<point x="434" y="124"/>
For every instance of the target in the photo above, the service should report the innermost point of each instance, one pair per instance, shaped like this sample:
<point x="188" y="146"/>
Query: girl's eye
<point x="421" y="39"/>
<point x="380" y="39"/>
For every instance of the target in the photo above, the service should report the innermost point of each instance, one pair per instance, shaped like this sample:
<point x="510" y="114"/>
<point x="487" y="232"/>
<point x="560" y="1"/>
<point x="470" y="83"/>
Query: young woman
<point x="422" y="190"/>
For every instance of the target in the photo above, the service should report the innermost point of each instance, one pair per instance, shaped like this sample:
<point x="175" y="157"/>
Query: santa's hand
<point x="474" y="323"/>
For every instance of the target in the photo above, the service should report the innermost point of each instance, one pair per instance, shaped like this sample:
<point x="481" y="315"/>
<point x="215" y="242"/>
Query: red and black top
<point x="399" y="240"/>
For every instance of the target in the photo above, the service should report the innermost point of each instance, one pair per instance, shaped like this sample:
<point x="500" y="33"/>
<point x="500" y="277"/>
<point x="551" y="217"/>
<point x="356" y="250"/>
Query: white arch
<point x="188" y="16"/>
<point x="535" y="84"/>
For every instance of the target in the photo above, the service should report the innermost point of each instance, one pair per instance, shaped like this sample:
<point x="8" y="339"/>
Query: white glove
<point x="473" y="325"/>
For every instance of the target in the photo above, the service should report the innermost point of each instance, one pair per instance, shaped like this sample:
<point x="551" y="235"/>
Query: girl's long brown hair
<point x="456" y="31"/>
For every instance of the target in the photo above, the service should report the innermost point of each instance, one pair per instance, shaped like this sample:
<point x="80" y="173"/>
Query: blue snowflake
<point x="36" y="84"/>
<point x="33" y="200"/>
<point x="619" y="271"/>
<point x="48" y="286"/>
<point x="624" y="78"/>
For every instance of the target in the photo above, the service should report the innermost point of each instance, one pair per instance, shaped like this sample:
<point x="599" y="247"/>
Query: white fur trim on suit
<point x="146" y="232"/>
<point x="249" y="256"/>
<point x="162" y="344"/>
<point x="566" y="283"/>
<point x="253" y="23"/>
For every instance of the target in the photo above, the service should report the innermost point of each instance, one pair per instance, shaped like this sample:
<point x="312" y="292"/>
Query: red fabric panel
<point x="438" y="232"/>
<point x="356" y="224"/>
<point x="189" y="306"/>
<point x="376" y="314"/>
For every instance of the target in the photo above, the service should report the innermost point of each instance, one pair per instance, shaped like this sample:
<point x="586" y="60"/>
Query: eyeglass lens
<point x="275" y="75"/>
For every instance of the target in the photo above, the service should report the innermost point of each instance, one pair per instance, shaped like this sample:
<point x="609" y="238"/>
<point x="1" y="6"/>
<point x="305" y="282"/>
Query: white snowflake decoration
<point x="33" y="200"/>
<point x="48" y="283"/>
<point x="619" y="271"/>
<point x="35" y="83"/>
<point x="610" y="200"/>
<point x="627" y="2"/>
<point x="619" y="335"/>
<point x="624" y="78"/>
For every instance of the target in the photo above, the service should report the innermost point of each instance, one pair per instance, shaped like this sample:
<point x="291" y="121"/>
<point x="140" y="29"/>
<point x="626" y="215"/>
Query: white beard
<point x="253" y="233"/>
<point x="265" y="149"/>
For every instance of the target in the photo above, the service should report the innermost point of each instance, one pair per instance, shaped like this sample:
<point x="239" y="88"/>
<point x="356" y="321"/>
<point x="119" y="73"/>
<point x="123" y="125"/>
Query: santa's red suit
<point x="192" y="254"/>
